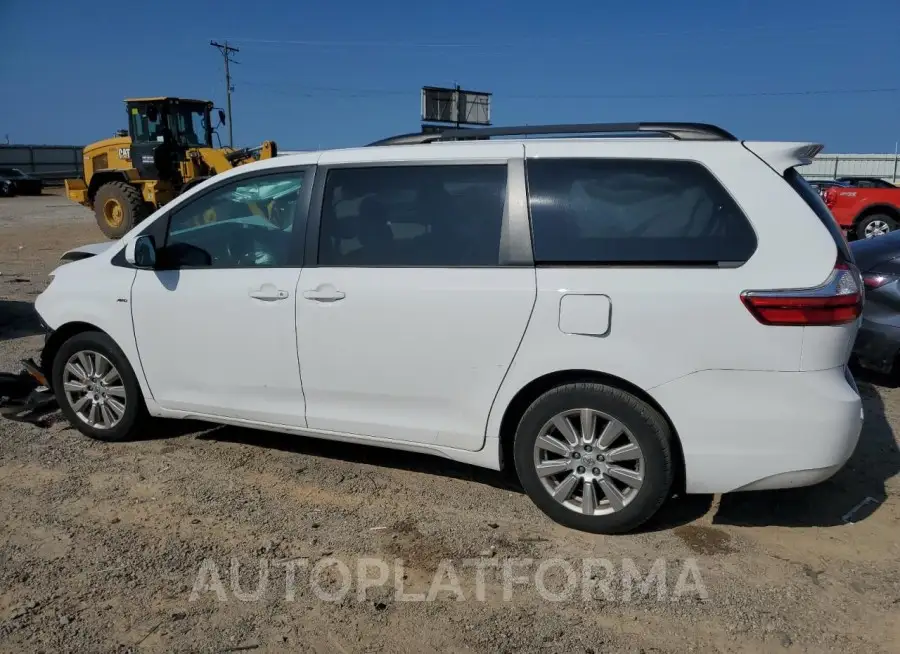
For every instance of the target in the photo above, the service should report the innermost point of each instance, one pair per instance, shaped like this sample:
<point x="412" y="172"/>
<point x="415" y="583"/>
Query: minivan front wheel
<point x="594" y="457"/>
<point x="96" y="388"/>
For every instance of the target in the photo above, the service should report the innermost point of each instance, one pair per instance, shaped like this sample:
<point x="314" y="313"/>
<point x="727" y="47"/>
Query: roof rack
<point x="678" y="131"/>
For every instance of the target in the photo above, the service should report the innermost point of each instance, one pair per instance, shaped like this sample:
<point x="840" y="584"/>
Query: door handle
<point x="268" y="293"/>
<point x="324" y="294"/>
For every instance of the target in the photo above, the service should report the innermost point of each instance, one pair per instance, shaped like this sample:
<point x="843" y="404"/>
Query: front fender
<point x="94" y="292"/>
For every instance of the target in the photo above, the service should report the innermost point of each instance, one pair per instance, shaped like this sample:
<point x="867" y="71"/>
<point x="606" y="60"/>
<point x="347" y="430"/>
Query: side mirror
<point x="141" y="252"/>
<point x="221" y="117"/>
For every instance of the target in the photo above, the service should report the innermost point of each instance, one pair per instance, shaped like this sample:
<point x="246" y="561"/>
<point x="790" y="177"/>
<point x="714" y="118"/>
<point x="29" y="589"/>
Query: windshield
<point x="189" y="123"/>
<point x="143" y="129"/>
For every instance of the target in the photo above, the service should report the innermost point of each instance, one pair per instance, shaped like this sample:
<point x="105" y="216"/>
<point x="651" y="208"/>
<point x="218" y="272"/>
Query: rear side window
<point x="633" y="212"/>
<point x="815" y="202"/>
<point x="426" y="216"/>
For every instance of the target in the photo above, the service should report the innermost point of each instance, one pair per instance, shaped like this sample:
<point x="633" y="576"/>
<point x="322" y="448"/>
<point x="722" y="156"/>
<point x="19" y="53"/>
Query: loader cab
<point x="162" y="130"/>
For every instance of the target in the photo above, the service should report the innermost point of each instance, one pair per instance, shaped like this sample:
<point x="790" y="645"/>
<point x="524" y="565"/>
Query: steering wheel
<point x="240" y="246"/>
<point x="248" y="246"/>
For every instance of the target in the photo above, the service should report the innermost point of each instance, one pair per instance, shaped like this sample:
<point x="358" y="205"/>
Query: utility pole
<point x="226" y="51"/>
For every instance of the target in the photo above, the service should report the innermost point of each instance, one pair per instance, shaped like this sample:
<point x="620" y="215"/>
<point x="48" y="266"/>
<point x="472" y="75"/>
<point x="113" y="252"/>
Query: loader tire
<point x="119" y="207"/>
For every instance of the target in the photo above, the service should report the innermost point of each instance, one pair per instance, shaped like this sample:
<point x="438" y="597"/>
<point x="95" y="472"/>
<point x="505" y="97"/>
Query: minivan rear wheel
<point x="594" y="457"/>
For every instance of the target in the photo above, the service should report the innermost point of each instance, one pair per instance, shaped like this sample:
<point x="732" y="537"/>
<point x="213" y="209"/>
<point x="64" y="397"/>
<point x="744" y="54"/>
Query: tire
<point x="82" y="351"/>
<point x="118" y="207"/>
<point x="874" y="225"/>
<point x="6" y="190"/>
<point x="649" y="478"/>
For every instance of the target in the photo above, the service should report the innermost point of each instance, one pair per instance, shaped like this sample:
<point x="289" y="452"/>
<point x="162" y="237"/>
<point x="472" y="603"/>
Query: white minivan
<point x="618" y="311"/>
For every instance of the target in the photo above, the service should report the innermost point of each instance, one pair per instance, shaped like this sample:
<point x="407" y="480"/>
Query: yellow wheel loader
<point x="167" y="149"/>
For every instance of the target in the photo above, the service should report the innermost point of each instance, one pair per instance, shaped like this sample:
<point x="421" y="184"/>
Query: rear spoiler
<point x="780" y="155"/>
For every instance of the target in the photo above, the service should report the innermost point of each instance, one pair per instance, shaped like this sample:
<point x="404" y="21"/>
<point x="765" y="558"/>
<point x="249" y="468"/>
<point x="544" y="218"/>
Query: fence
<point x="52" y="163"/>
<point x="831" y="166"/>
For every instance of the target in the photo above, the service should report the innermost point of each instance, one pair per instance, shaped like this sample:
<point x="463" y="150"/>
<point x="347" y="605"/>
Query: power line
<point x="736" y="94"/>
<point x="226" y="51"/>
<point x="529" y="42"/>
<point x="362" y="44"/>
<point x="312" y="91"/>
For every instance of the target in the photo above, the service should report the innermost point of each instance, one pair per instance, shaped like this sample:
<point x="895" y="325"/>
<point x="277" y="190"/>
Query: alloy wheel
<point x="877" y="228"/>
<point x="94" y="389"/>
<point x="589" y="462"/>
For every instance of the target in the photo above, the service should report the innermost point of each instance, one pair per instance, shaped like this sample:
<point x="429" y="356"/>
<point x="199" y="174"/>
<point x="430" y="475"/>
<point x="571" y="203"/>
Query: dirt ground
<point x="160" y="545"/>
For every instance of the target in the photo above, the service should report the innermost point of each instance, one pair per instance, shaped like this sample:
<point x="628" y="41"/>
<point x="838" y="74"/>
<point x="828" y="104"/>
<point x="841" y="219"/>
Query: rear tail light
<point x="836" y="302"/>
<point x="876" y="280"/>
<point x="829" y="196"/>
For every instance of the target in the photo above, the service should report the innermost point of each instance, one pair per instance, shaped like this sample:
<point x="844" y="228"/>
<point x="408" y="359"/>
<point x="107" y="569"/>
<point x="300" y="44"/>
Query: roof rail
<point x="406" y="139"/>
<point x="678" y="131"/>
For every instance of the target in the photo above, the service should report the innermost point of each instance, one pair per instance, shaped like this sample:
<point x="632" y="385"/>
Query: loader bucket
<point x="76" y="191"/>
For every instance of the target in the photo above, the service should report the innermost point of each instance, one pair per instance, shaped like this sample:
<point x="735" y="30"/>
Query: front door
<point x="411" y="317"/>
<point x="215" y="324"/>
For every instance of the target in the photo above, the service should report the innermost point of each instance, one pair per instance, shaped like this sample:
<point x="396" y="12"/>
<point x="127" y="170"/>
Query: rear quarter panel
<point x="669" y="322"/>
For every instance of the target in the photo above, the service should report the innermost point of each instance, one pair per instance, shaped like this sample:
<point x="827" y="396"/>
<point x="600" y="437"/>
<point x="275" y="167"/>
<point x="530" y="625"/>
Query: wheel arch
<point x="873" y="209"/>
<point x="102" y="177"/>
<point x="60" y="336"/>
<point x="526" y="395"/>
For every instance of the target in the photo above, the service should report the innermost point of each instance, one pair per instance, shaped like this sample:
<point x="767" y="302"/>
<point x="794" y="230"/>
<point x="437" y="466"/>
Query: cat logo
<point x="125" y="153"/>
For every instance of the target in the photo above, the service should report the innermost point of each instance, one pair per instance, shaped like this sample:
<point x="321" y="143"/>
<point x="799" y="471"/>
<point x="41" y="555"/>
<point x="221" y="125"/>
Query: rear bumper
<point x="877" y="345"/>
<point x="755" y="430"/>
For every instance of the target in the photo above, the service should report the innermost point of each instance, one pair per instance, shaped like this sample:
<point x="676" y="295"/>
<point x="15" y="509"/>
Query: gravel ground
<point x="159" y="545"/>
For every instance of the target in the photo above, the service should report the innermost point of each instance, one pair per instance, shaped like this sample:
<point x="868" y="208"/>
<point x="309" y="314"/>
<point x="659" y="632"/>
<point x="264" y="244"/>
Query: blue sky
<point x="345" y="72"/>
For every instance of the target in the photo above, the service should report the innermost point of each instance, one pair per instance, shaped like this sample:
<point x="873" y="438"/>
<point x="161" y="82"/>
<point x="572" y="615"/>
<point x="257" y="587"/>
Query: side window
<point x="437" y="216"/>
<point x="247" y="223"/>
<point x="626" y="211"/>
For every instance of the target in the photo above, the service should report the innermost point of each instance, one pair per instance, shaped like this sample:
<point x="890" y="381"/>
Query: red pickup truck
<point x="864" y="212"/>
